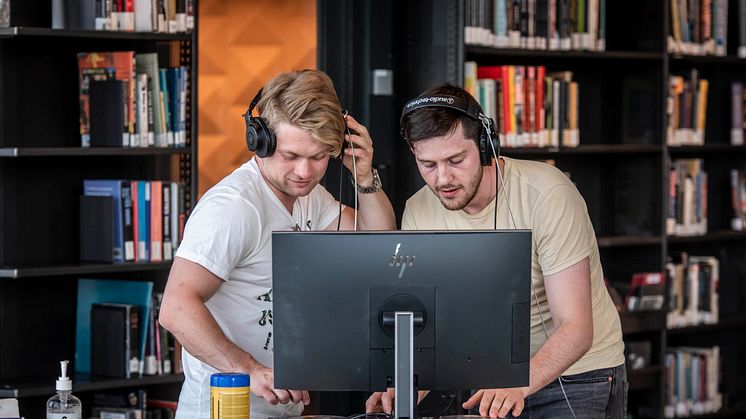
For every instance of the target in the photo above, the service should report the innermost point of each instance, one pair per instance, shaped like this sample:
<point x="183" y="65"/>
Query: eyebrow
<point x="459" y="154"/>
<point x="292" y="154"/>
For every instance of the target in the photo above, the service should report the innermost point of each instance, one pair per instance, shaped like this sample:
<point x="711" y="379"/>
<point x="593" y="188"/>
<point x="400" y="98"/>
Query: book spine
<point x="167" y="243"/>
<point x="129" y="243"/>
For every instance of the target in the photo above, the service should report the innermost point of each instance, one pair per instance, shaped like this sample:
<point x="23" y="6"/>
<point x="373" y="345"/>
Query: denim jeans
<point x="594" y="394"/>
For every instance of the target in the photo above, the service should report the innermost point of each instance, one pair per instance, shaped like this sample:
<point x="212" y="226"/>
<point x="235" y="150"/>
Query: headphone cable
<point x="533" y="290"/>
<point x="339" y="219"/>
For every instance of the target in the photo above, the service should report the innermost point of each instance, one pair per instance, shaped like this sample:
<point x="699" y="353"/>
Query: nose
<point x="303" y="169"/>
<point x="444" y="175"/>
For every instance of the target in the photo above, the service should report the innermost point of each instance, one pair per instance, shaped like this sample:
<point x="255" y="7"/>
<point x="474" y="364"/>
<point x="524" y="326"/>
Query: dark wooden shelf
<point x="733" y="412"/>
<point x="80" y="269"/>
<point x="723" y="325"/>
<point x="17" y="31"/>
<point x="706" y="148"/>
<point x="634" y="322"/>
<point x="593" y="149"/>
<point x="83" y="383"/>
<point x="477" y="51"/>
<point x="90" y="151"/>
<point x="715" y="236"/>
<point x="707" y="59"/>
<point x="622" y="241"/>
<point x="644" y="378"/>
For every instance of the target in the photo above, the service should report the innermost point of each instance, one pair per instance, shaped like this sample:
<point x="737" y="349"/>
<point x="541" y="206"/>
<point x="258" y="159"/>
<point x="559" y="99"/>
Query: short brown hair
<point x="432" y="122"/>
<point x="307" y="100"/>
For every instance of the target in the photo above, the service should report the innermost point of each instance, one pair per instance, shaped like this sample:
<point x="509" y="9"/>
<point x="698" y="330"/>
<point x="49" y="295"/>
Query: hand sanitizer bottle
<point x="64" y="405"/>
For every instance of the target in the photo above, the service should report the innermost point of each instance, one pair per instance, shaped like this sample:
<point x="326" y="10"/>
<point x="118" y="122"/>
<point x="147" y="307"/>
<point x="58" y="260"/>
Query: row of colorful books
<point x="127" y="100"/>
<point x="117" y="331"/>
<point x="692" y="380"/>
<point x="693" y="291"/>
<point x="148" y="218"/>
<point x="700" y="27"/>
<point x="687" y="109"/>
<point x="536" y="24"/>
<point x="530" y="107"/>
<point x="170" y="16"/>
<point x="686" y="214"/>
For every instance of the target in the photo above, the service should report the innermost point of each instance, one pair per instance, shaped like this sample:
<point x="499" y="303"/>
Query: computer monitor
<point x="469" y="289"/>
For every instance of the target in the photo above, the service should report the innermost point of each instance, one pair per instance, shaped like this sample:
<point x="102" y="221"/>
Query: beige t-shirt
<point x="545" y="201"/>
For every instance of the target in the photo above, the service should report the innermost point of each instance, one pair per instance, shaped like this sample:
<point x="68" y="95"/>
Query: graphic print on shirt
<point x="266" y="319"/>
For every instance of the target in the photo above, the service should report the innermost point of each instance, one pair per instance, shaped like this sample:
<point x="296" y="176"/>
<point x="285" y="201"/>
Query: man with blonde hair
<point x="218" y="299"/>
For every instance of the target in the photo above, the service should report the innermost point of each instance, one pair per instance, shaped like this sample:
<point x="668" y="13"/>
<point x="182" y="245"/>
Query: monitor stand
<point x="405" y="383"/>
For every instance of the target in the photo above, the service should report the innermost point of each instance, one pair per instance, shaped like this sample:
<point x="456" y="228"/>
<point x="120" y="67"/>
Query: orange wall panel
<point x="243" y="44"/>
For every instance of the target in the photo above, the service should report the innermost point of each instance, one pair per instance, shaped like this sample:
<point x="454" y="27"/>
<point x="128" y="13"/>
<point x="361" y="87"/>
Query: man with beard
<point x="218" y="299"/>
<point x="577" y="354"/>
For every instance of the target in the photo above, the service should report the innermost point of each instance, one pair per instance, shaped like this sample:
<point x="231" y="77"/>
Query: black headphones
<point x="261" y="140"/>
<point x="487" y="133"/>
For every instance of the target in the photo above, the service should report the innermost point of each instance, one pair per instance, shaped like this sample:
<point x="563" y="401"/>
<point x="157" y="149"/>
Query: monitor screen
<point x="331" y="291"/>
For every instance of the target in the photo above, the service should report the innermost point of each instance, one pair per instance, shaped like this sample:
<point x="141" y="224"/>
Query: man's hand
<point x="497" y="403"/>
<point x="363" y="152"/>
<point x="384" y="402"/>
<point x="263" y="385"/>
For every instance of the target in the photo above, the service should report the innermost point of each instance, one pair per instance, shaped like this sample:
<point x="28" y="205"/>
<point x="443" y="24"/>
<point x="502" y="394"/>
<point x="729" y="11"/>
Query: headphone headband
<point x="441" y="101"/>
<point x="253" y="103"/>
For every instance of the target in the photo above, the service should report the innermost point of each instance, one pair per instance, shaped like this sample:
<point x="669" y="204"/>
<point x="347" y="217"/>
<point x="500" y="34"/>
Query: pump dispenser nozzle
<point x="63" y="382"/>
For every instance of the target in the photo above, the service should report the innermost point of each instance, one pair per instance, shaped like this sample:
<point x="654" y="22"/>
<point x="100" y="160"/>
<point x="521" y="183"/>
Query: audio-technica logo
<point x="401" y="260"/>
<point x="430" y="99"/>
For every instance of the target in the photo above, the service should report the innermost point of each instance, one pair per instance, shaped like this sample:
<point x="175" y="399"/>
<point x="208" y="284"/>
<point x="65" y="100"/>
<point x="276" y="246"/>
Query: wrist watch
<point x="375" y="187"/>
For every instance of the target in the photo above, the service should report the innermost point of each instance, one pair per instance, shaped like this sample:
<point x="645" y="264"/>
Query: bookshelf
<point x="621" y="166"/>
<point x="42" y="168"/>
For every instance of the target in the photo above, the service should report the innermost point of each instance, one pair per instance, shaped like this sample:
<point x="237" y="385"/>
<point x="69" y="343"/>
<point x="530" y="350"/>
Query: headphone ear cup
<point x="259" y="138"/>
<point x="485" y="153"/>
<point x="251" y="137"/>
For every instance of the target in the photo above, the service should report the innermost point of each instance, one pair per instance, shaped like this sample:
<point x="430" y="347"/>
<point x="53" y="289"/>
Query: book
<point x="148" y="64"/>
<point x="156" y="221"/>
<point x="113" y="190"/>
<point x="646" y="291"/>
<point x="97" y="229"/>
<point x="114" y="340"/>
<point x="91" y="291"/>
<point x="166" y="222"/>
<point x="143" y="215"/>
<point x="107" y="113"/>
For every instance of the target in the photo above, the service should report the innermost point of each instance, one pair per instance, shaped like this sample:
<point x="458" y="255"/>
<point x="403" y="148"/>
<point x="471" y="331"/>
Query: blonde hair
<point x="307" y="100"/>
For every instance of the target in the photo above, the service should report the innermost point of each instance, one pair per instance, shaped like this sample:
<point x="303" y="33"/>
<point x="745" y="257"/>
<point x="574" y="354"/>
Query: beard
<point x="460" y="201"/>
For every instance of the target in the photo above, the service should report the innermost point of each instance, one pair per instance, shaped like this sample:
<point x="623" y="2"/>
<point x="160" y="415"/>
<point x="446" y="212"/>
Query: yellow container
<point x="230" y="396"/>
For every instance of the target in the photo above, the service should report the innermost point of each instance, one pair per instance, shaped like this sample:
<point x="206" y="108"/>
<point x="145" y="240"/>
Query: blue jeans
<point x="594" y="394"/>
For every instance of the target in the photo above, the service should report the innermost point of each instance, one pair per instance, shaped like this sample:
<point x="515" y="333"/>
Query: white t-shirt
<point x="230" y="234"/>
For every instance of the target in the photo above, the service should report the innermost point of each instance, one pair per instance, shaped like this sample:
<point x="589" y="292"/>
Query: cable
<point x="339" y="219"/>
<point x="371" y="416"/>
<point x="443" y="398"/>
<point x="354" y="175"/>
<point x="533" y="290"/>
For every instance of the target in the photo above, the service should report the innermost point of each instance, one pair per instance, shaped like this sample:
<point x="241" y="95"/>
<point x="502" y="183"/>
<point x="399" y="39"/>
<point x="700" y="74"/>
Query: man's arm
<point x="184" y="314"/>
<point x="374" y="209"/>
<point x="569" y="298"/>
